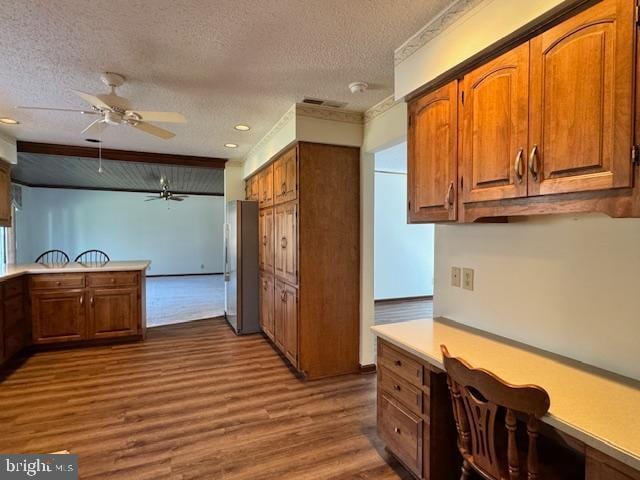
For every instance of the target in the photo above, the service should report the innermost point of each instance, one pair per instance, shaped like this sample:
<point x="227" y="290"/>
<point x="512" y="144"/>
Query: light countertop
<point x="596" y="407"/>
<point x="10" y="271"/>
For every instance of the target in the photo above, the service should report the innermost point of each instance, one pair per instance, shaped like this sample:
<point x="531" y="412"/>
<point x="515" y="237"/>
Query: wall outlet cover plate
<point x="455" y="276"/>
<point x="467" y="278"/>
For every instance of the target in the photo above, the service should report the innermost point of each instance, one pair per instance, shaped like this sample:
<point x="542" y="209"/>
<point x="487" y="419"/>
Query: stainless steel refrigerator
<point x="241" y="266"/>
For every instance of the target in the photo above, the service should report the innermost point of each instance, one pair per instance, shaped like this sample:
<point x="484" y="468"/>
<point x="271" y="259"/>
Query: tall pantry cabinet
<point x="309" y="226"/>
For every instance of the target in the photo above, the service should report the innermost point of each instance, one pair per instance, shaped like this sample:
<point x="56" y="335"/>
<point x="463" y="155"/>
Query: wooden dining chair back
<point x="481" y="403"/>
<point x="93" y="257"/>
<point x="53" y="257"/>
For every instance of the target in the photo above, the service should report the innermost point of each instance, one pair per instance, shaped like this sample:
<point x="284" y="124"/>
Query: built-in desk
<point x="600" y="409"/>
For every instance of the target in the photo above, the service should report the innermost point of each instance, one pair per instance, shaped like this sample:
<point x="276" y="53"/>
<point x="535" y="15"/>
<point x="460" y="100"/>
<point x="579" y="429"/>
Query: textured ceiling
<point x="218" y="62"/>
<point x="53" y="170"/>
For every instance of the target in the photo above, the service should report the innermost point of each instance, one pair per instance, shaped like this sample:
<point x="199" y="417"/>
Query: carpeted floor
<point x="183" y="299"/>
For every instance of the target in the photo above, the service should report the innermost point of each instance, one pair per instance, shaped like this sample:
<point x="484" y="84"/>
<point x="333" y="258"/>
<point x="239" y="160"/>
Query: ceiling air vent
<point x="324" y="103"/>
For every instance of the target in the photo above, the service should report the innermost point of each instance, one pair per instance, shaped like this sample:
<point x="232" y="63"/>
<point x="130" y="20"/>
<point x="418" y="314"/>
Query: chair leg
<point x="466" y="471"/>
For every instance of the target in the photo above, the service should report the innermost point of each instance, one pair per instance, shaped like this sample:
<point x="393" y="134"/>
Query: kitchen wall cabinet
<point x="545" y="127"/>
<point x="309" y="297"/>
<point x="82" y="307"/>
<point x="286" y="240"/>
<point x="433" y="156"/>
<point x="265" y="182"/>
<point x="5" y="194"/>
<point x="266" y="232"/>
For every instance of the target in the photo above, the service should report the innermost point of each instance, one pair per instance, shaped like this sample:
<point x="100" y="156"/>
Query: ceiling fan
<point x="165" y="193"/>
<point x="116" y="110"/>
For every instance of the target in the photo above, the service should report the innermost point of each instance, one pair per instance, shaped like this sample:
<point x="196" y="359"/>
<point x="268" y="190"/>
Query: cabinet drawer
<point x="401" y="365"/>
<point x="401" y="432"/>
<point x="60" y="280"/>
<point x="14" y="311"/>
<point x="401" y="390"/>
<point x="112" y="279"/>
<point x="14" y="287"/>
<point x="14" y="340"/>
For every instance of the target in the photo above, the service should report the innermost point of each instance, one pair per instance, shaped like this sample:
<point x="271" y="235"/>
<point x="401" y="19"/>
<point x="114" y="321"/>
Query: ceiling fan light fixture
<point x="9" y="121"/>
<point x="242" y="128"/>
<point x="231" y="145"/>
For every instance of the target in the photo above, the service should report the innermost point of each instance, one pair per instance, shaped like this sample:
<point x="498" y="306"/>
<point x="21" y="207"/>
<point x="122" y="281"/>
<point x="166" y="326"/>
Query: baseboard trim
<point x="184" y="274"/>
<point x="404" y="299"/>
<point x="369" y="368"/>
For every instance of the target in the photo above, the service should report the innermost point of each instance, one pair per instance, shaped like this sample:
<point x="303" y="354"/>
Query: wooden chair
<point x="484" y="406"/>
<point x="53" y="257"/>
<point x="93" y="257"/>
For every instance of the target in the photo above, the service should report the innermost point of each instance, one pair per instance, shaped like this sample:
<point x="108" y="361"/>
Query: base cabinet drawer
<point x="401" y="431"/>
<point x="400" y="364"/>
<point x="58" y="280"/>
<point x="401" y="391"/>
<point x="112" y="279"/>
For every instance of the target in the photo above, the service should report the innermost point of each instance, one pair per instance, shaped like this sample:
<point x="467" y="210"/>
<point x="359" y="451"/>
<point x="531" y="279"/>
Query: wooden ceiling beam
<point x="121" y="155"/>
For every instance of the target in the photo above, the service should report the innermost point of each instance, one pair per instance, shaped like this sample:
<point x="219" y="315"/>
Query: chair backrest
<point x="479" y="399"/>
<point x="53" y="257"/>
<point x="93" y="257"/>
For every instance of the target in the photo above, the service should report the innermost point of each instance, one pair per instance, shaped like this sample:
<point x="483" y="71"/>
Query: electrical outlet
<point x="455" y="276"/>
<point x="467" y="278"/>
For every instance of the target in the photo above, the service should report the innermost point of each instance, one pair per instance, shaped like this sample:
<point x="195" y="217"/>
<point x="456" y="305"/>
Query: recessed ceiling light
<point x="9" y="121"/>
<point x="231" y="145"/>
<point x="242" y="128"/>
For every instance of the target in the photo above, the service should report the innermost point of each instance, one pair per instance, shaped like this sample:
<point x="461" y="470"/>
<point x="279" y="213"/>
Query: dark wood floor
<point x="192" y="402"/>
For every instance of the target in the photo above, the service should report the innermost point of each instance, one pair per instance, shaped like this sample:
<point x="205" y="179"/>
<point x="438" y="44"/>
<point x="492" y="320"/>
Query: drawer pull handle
<point x="112" y="280"/>
<point x="58" y="283"/>
<point x="283" y="242"/>
<point x="397" y="388"/>
<point x="397" y="430"/>
<point x="398" y="363"/>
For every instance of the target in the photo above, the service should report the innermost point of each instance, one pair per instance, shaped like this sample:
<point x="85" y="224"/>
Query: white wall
<point x="177" y="237"/>
<point x="403" y="254"/>
<point x="567" y="284"/>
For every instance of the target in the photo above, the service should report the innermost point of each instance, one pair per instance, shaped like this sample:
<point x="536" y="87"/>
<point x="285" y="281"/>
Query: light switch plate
<point x="467" y="278"/>
<point x="455" y="276"/>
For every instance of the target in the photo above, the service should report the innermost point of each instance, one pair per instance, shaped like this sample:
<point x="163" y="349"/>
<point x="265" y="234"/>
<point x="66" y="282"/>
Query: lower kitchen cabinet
<point x="267" y="306"/>
<point x="14" y="328"/>
<point x="99" y="306"/>
<point x="113" y="312"/>
<point x="415" y="420"/>
<point x="283" y="305"/>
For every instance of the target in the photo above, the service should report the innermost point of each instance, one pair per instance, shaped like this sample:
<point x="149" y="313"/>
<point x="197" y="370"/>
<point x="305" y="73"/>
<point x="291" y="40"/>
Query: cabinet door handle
<point x="81" y="299"/>
<point x="283" y="296"/>
<point x="397" y="430"/>
<point x="284" y="188"/>
<point x="448" y="199"/>
<point x="534" y="166"/>
<point x="264" y="284"/>
<point x="518" y="166"/>
<point x="264" y="240"/>
<point x="397" y="387"/>
<point x="91" y="301"/>
<point x="398" y="363"/>
<point x="283" y="242"/>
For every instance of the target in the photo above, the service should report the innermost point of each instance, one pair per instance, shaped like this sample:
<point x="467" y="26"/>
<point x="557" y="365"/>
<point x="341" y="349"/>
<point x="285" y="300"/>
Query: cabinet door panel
<point x="285" y="177"/>
<point x="495" y="131"/>
<point x="290" y="307"/>
<point x="279" y="315"/>
<point x="58" y="316"/>
<point x="266" y="251"/>
<point x="266" y="187"/>
<point x="114" y="312"/>
<point x="581" y="108"/>
<point x="286" y="242"/>
<point x="267" y="311"/>
<point x="5" y="194"/>
<point x="433" y="156"/>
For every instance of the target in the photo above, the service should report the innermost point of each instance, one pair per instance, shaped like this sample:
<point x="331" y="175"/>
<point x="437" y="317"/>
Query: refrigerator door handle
<point x="226" y="252"/>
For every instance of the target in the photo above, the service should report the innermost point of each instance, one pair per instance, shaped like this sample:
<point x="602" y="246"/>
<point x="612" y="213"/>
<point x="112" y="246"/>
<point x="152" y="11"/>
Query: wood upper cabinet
<point x="5" y="194"/>
<point x="113" y="312"/>
<point x="267" y="306"/>
<point x="286" y="314"/>
<point x="265" y="191"/>
<point x="285" y="176"/>
<point x="58" y="316"/>
<point x="266" y="231"/>
<point x="286" y="242"/>
<point x="581" y="102"/>
<point x="433" y="156"/>
<point x="495" y="116"/>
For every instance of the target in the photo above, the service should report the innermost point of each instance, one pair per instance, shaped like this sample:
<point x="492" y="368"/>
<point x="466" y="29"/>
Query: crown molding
<point x="274" y="130"/>
<point x="329" y="113"/>
<point x="380" y="108"/>
<point x="434" y="28"/>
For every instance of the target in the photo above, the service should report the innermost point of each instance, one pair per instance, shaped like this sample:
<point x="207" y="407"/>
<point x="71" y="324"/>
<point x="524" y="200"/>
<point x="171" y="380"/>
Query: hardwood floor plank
<point x="193" y="401"/>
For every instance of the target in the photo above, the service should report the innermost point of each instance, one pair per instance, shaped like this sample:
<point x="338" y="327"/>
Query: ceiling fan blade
<point x="152" y="198"/>
<point x="153" y="130"/>
<point x="92" y="100"/>
<point x="96" y="128"/>
<point x="84" y="112"/>
<point x="166" y="117"/>
<point x="176" y="199"/>
<point x="179" y="196"/>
